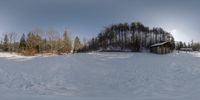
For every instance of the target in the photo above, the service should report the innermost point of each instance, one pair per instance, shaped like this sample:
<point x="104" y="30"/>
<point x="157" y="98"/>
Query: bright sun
<point x="178" y="36"/>
<point x="174" y="31"/>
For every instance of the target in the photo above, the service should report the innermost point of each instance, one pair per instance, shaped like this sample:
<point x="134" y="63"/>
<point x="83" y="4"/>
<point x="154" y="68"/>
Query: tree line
<point x="194" y="45"/>
<point x="38" y="41"/>
<point x="132" y="37"/>
<point x="123" y="37"/>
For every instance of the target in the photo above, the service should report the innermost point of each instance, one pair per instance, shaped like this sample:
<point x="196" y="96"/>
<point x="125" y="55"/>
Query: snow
<point x="99" y="76"/>
<point x="158" y="44"/>
<point x="186" y="49"/>
<point x="14" y="56"/>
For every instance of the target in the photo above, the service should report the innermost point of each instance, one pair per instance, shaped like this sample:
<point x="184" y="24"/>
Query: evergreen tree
<point x="77" y="44"/>
<point x="5" y="45"/>
<point x="22" y="44"/>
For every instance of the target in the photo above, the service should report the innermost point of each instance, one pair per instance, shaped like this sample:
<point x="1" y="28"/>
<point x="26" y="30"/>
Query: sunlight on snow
<point x="196" y="54"/>
<point x="14" y="56"/>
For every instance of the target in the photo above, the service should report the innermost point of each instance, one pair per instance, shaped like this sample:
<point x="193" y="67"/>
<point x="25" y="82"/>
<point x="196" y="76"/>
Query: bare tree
<point x="52" y="35"/>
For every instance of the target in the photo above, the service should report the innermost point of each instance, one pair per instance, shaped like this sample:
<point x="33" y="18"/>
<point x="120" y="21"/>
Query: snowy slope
<point x="141" y="76"/>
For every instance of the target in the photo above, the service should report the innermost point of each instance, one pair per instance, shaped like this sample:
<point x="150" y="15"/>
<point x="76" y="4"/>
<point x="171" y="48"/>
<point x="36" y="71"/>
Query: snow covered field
<point x="99" y="76"/>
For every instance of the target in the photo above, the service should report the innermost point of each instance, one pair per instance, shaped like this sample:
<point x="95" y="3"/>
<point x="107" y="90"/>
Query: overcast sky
<point x="86" y="18"/>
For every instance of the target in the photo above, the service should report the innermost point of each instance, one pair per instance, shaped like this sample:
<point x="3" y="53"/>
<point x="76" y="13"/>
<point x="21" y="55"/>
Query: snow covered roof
<point x="159" y="44"/>
<point x="186" y="49"/>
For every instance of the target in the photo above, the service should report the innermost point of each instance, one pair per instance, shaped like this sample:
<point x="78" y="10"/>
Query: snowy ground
<point x="99" y="76"/>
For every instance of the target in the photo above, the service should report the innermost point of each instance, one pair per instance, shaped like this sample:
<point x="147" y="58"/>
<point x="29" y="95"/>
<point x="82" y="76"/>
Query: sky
<point x="86" y="18"/>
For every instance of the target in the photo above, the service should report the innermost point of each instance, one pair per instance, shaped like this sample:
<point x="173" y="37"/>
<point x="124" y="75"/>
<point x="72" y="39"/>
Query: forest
<point x="122" y="37"/>
<point x="130" y="37"/>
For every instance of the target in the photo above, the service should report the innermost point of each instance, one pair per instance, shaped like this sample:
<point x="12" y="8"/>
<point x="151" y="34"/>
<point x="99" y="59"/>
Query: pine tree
<point x="22" y="44"/>
<point x="77" y="44"/>
<point x="5" y="46"/>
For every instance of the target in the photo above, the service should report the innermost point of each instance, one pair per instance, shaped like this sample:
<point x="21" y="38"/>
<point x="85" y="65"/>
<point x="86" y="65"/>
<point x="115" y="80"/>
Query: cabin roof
<point x="159" y="44"/>
<point x="186" y="49"/>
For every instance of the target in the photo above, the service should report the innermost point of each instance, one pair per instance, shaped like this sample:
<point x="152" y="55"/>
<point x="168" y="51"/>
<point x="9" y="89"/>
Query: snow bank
<point x="13" y="56"/>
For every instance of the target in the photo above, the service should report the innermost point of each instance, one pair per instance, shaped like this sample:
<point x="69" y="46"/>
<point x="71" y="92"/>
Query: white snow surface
<point x="100" y="76"/>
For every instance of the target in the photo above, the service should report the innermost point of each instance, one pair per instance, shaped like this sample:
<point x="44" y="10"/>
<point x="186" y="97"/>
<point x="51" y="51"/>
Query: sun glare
<point x="174" y="31"/>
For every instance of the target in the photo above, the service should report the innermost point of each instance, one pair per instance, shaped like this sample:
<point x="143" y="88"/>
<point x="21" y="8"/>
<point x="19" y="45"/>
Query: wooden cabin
<point x="161" y="48"/>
